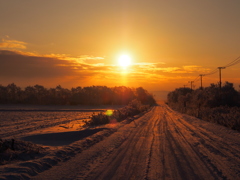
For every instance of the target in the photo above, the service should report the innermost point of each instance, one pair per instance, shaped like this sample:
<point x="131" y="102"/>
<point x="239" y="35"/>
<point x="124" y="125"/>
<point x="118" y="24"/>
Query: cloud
<point x="192" y="68"/>
<point x="54" y="69"/>
<point x="162" y="68"/>
<point x="18" y="65"/>
<point x="12" y="44"/>
<point x="87" y="57"/>
<point x="157" y="68"/>
<point x="30" y="65"/>
<point x="170" y="69"/>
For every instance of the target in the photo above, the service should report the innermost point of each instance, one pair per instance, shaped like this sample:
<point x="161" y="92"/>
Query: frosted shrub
<point x="98" y="119"/>
<point x="226" y="116"/>
<point x="212" y="104"/>
<point x="133" y="108"/>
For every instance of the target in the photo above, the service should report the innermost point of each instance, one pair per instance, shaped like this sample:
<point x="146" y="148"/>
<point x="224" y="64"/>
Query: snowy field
<point x="19" y="121"/>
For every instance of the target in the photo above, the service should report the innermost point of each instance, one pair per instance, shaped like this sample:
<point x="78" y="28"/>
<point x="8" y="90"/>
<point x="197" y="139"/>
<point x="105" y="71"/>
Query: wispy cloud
<point x="88" y="57"/>
<point x="12" y="44"/>
<point x="162" y="68"/>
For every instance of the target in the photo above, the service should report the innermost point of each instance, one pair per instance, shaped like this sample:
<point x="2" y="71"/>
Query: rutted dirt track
<point x="162" y="144"/>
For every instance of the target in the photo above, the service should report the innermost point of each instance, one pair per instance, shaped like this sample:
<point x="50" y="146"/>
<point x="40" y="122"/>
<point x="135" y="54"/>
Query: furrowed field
<point x="18" y="121"/>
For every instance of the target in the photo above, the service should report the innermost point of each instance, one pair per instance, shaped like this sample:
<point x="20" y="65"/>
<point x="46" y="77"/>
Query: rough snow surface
<point x="161" y="144"/>
<point x="19" y="120"/>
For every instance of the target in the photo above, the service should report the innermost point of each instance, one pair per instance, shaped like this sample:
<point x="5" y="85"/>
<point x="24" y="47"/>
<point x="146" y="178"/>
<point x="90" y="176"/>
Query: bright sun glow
<point x="124" y="60"/>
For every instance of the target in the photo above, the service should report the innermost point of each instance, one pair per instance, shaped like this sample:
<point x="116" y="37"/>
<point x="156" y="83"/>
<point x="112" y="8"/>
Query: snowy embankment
<point x="43" y="138"/>
<point x="51" y="157"/>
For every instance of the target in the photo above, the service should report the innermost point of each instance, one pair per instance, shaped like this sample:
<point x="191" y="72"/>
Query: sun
<point x="124" y="60"/>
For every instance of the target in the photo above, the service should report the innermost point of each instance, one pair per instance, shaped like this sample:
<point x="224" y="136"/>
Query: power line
<point x="198" y="79"/>
<point x="236" y="61"/>
<point x="212" y="72"/>
<point x="218" y="69"/>
<point x="191" y="82"/>
<point x="195" y="80"/>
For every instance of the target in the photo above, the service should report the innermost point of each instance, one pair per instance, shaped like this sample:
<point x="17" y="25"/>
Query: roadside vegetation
<point x="92" y="95"/>
<point x="111" y="116"/>
<point x="211" y="103"/>
<point x="16" y="150"/>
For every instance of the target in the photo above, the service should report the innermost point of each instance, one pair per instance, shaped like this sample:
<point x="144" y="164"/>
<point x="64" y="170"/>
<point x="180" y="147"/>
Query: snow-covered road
<point x="161" y="144"/>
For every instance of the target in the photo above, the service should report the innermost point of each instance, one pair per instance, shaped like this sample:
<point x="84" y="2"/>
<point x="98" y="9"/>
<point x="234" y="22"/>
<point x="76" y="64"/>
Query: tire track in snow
<point x="151" y="150"/>
<point x="209" y="150"/>
<point x="191" y="155"/>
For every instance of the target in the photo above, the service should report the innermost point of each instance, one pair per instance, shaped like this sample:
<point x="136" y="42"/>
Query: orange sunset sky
<point x="78" y="42"/>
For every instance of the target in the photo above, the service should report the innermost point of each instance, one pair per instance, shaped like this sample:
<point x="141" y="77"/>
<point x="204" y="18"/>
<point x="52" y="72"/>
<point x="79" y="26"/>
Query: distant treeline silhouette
<point x="211" y="103"/>
<point x="93" y="95"/>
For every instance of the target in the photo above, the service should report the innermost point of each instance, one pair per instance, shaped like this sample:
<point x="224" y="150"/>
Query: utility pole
<point x="191" y="82"/>
<point x="201" y="75"/>
<point x="220" y="76"/>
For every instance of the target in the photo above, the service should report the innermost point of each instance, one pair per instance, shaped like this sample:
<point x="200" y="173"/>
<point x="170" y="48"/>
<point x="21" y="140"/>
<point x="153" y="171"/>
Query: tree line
<point x="92" y="95"/>
<point x="219" y="105"/>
